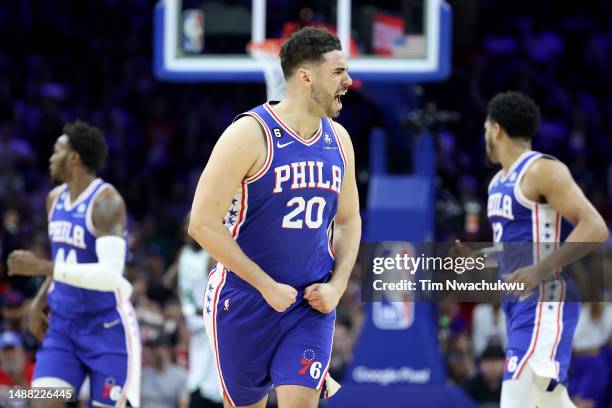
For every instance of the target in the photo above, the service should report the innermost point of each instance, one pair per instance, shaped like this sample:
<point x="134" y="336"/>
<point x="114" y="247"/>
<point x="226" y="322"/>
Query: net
<point x="266" y="53"/>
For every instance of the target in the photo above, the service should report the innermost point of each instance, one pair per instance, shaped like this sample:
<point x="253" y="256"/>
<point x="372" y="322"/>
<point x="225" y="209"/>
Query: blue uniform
<point x="540" y="328"/>
<point x="91" y="333"/>
<point x="282" y="218"/>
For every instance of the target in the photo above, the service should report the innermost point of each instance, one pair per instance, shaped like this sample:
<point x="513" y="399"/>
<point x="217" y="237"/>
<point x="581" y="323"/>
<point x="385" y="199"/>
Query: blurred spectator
<point x="13" y="312"/>
<point x="15" y="370"/>
<point x="589" y="375"/>
<point x="488" y="327"/>
<point x="193" y="265"/>
<point x="163" y="382"/>
<point x="455" y="341"/>
<point x="485" y="387"/>
<point x="342" y="347"/>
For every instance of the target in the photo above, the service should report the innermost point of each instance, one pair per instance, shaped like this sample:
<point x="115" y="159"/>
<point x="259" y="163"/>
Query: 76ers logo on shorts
<point x="511" y="363"/>
<point x="111" y="389"/>
<point x="309" y="364"/>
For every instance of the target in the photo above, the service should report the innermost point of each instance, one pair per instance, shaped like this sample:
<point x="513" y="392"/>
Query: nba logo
<point x="388" y="315"/>
<point x="394" y="311"/>
<point x="193" y="31"/>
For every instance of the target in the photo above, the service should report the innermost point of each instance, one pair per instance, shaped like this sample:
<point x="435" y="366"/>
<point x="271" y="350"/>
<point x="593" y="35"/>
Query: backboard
<point x="205" y="40"/>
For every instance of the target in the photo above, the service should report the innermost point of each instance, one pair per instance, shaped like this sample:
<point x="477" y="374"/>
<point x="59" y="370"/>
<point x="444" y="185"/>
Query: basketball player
<point x="279" y="184"/>
<point x="92" y="326"/>
<point x="528" y="198"/>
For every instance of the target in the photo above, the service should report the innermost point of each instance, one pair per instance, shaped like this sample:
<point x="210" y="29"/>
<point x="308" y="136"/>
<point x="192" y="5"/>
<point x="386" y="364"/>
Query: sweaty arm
<point x="109" y="219"/>
<point x="239" y="153"/>
<point x="552" y="181"/>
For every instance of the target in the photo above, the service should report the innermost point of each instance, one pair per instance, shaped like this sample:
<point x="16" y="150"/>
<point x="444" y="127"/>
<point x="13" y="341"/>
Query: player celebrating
<point x="527" y="199"/>
<point x="92" y="328"/>
<point x="286" y="172"/>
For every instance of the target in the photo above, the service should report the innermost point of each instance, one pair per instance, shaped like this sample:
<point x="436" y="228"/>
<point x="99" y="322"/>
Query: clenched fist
<point x="279" y="296"/>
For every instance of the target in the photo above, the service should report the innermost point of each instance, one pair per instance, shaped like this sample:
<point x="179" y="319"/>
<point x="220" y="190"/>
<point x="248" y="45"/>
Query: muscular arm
<point x="552" y="181"/>
<point x="347" y="226"/>
<point x="347" y="234"/>
<point x="240" y="152"/>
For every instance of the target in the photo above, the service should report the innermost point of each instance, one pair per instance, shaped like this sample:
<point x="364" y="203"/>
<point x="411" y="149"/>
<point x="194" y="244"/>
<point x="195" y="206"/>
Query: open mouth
<point x="339" y="96"/>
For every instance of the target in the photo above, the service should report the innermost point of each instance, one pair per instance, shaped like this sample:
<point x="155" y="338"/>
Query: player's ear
<point x="304" y="77"/>
<point x="497" y="130"/>
<point x="74" y="157"/>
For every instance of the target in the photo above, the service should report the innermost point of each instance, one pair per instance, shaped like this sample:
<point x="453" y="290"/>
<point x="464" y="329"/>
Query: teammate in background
<point x="193" y="265"/>
<point x="279" y="184"/>
<point x="92" y="326"/>
<point x="527" y="199"/>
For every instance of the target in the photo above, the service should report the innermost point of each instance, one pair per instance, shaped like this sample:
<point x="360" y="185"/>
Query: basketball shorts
<point x="256" y="347"/>
<point x="540" y="334"/>
<point x="105" y="347"/>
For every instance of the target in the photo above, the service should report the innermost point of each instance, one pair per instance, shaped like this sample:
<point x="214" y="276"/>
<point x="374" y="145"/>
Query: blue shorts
<point x="105" y="347"/>
<point x="540" y="332"/>
<point x="257" y="347"/>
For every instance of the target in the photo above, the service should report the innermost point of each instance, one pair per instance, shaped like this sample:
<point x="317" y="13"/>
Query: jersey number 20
<point x="313" y="218"/>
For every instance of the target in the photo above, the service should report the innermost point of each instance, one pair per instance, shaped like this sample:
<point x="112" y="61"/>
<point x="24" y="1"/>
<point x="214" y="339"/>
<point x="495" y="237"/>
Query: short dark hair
<point x="88" y="142"/>
<point x="306" y="45"/>
<point x="517" y="113"/>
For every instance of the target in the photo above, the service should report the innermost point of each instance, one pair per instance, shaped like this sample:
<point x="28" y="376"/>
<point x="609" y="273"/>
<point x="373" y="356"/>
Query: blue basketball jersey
<point x="72" y="237"/>
<point x="540" y="325"/>
<point x="282" y="217"/>
<point x="516" y="219"/>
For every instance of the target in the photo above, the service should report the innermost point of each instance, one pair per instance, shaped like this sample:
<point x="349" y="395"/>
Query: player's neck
<point x="79" y="183"/>
<point x="511" y="153"/>
<point x="298" y="117"/>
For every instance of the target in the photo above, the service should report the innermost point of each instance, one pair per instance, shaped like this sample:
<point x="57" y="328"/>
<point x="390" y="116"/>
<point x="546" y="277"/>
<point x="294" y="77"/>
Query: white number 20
<point x="312" y="219"/>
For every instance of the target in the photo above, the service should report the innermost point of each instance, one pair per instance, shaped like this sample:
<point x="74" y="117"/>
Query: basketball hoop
<point x="266" y="53"/>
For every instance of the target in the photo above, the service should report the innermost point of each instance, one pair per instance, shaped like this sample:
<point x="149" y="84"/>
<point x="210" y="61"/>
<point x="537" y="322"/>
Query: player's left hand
<point x="24" y="263"/>
<point x="530" y="276"/>
<point x="323" y="297"/>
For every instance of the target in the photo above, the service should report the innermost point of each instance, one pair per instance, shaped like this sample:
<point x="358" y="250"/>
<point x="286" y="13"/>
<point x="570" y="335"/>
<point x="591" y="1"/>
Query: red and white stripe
<point x="131" y="388"/>
<point x="217" y="280"/>
<point x="287" y="129"/>
<point x="330" y="247"/>
<point x="548" y="319"/>
<point x="270" y="149"/>
<point x="244" y="200"/>
<point x="324" y="374"/>
<point x="339" y="143"/>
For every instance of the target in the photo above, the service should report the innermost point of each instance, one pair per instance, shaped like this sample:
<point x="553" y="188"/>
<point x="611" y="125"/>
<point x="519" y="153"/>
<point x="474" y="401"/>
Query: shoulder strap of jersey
<point x="494" y="179"/>
<point x="330" y="123"/>
<point x="259" y="114"/>
<point x="62" y="193"/>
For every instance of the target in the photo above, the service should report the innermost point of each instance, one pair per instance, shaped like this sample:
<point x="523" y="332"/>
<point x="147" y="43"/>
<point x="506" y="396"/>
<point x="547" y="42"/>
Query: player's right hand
<point x="23" y="263"/>
<point x="280" y="296"/>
